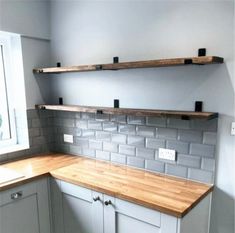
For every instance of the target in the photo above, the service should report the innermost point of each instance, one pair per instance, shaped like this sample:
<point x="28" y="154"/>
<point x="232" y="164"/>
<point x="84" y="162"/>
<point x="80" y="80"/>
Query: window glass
<point x="4" y="109"/>
<point x="13" y="118"/>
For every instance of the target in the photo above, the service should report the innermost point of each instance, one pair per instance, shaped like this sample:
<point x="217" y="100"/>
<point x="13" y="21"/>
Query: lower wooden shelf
<point x="185" y="115"/>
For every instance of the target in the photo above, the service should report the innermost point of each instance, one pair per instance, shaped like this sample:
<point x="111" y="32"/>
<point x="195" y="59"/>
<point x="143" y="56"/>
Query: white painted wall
<point x="31" y="19"/>
<point x="85" y="32"/>
<point x="26" y="17"/>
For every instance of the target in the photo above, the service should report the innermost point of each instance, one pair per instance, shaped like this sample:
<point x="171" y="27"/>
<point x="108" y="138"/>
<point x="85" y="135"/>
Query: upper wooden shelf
<point x="204" y="60"/>
<point x="186" y="115"/>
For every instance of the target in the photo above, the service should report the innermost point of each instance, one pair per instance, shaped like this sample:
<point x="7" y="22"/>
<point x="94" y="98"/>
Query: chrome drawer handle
<point x="17" y="195"/>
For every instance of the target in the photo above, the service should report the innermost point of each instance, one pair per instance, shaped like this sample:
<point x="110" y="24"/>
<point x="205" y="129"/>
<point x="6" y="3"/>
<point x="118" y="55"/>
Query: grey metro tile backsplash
<point x="129" y="140"/>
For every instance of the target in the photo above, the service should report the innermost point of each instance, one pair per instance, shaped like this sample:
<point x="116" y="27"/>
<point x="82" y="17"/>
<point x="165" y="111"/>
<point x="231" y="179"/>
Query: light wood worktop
<point x="164" y="193"/>
<point x="36" y="167"/>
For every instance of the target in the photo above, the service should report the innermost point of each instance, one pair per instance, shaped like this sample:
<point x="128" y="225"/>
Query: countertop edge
<point x="54" y="174"/>
<point x="23" y="181"/>
<point x="178" y="214"/>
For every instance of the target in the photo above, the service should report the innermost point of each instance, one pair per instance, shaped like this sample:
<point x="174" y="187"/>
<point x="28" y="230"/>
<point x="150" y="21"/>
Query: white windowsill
<point x="13" y="148"/>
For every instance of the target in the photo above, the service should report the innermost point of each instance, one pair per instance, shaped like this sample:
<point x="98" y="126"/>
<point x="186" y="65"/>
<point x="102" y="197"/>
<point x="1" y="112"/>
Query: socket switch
<point x="167" y="154"/>
<point x="68" y="138"/>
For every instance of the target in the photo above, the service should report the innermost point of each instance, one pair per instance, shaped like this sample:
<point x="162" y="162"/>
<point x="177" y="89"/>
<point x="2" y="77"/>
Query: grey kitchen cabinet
<point x="25" y="208"/>
<point x="81" y="210"/>
<point x="125" y="217"/>
<point x="76" y="209"/>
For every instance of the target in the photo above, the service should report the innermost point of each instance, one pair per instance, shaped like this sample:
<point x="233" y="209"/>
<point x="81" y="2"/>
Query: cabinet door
<point x="125" y="217"/>
<point x="74" y="209"/>
<point x="25" y="209"/>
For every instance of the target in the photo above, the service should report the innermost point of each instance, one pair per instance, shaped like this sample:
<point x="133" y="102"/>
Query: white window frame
<point x="14" y="80"/>
<point x="6" y="56"/>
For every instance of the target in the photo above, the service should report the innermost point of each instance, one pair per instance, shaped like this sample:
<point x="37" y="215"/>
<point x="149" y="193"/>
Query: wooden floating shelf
<point x="204" y="60"/>
<point x="185" y="115"/>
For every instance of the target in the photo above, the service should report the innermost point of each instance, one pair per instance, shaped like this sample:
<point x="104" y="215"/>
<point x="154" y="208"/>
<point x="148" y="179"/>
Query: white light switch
<point x="68" y="138"/>
<point x="167" y="154"/>
<point x="233" y="129"/>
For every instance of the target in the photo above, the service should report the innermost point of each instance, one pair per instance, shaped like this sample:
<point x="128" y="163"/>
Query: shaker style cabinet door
<point x="76" y="209"/>
<point x="81" y="210"/>
<point x="25" y="209"/>
<point x="125" y="217"/>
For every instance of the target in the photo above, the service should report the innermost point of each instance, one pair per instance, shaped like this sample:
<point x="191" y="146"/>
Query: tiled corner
<point x="201" y="175"/>
<point x="209" y="138"/>
<point x="208" y="164"/>
<point x="202" y="150"/>
<point x="41" y="137"/>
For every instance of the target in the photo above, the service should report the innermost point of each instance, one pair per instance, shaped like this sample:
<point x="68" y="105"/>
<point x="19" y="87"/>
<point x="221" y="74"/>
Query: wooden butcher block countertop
<point x="170" y="195"/>
<point x="35" y="167"/>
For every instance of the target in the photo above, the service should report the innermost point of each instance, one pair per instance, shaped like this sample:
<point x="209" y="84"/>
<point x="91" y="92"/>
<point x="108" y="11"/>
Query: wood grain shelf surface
<point x="167" y="194"/>
<point x="129" y="111"/>
<point x="204" y="60"/>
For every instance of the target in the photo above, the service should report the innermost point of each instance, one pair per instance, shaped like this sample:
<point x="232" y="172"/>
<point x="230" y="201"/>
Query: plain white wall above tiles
<point x="95" y="31"/>
<point x="35" y="53"/>
<point x="28" y="18"/>
<point x="31" y="19"/>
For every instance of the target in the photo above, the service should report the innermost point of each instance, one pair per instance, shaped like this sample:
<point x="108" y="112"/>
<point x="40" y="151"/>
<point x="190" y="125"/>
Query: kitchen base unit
<point x="80" y="210"/>
<point x="25" y="208"/>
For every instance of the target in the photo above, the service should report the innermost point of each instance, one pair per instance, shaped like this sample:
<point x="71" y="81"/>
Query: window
<point x="13" y="120"/>
<point x="7" y="124"/>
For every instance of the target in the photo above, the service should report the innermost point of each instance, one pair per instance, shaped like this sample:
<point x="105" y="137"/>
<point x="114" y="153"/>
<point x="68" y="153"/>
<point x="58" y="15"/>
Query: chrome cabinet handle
<point x="108" y="202"/>
<point x="97" y="198"/>
<point x="17" y="195"/>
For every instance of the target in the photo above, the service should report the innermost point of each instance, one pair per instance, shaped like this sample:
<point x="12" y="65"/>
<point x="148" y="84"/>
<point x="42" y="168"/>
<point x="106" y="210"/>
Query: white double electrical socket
<point x="167" y="154"/>
<point x="68" y="138"/>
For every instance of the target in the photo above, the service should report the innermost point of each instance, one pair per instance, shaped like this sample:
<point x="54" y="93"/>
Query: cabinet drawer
<point x="17" y="193"/>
